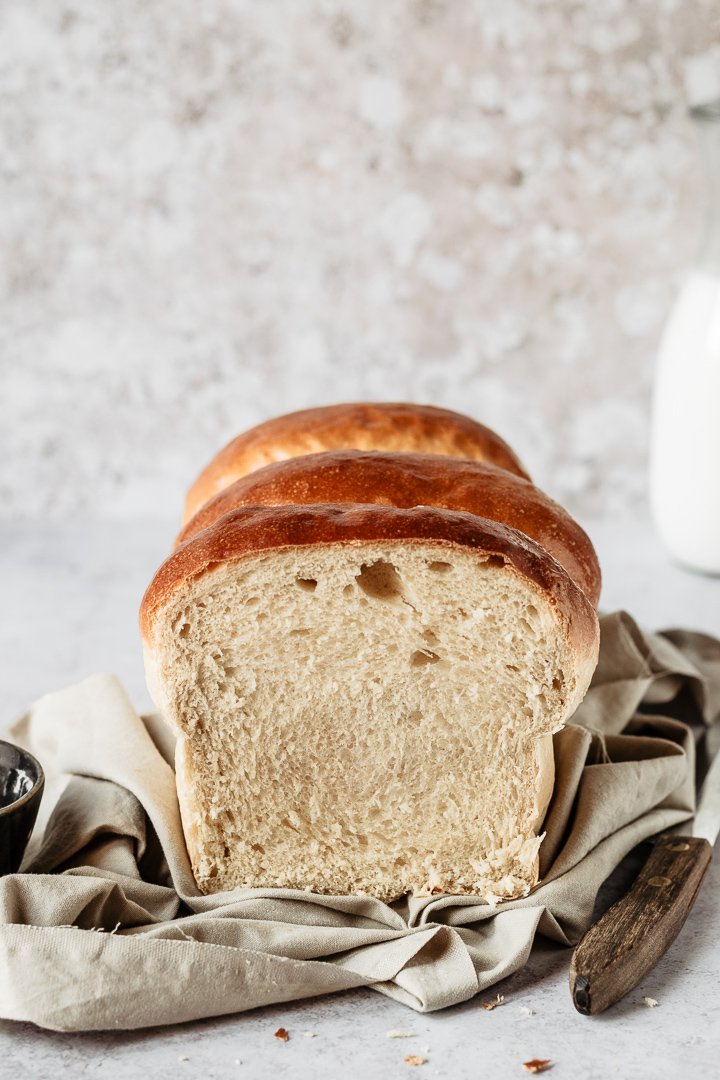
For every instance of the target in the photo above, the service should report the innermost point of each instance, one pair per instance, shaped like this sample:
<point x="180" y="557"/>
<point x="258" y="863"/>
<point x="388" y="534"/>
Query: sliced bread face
<point x="364" y="698"/>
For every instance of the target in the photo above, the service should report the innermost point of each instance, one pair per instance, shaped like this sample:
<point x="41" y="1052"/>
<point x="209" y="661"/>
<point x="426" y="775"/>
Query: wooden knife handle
<point x="626" y="943"/>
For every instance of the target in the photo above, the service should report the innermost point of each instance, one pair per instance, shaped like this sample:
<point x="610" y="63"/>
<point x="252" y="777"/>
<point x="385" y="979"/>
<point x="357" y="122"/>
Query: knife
<point x="626" y="943"/>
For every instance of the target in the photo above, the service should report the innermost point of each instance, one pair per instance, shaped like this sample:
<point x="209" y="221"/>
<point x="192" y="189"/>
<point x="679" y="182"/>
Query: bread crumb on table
<point x="414" y="1059"/>
<point x="395" y="1034"/>
<point x="310" y="1034"/>
<point x="650" y="1002"/>
<point x="537" y="1065"/>
<point x="282" y="1034"/>
<point x="490" y="1005"/>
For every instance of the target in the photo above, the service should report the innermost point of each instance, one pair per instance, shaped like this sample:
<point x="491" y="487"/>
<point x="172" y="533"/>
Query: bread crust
<point x="245" y="532"/>
<point x="408" y="480"/>
<point x="357" y="425"/>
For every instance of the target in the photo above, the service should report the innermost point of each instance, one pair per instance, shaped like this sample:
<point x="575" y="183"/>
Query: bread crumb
<point x="310" y="1034"/>
<point x="395" y="1034"/>
<point x="537" y="1065"/>
<point x="650" y="1002"/>
<point x="184" y="1058"/>
<point x="526" y="1010"/>
<point x="490" y="1005"/>
<point x="414" y="1059"/>
<point x="282" y="1034"/>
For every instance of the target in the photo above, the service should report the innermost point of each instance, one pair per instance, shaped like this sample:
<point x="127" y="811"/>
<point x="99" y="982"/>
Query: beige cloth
<point x="104" y="928"/>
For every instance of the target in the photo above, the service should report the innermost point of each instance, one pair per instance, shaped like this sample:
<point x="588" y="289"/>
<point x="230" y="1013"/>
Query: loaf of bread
<point x="358" y="426"/>
<point x="407" y="480"/>
<point x="364" y="696"/>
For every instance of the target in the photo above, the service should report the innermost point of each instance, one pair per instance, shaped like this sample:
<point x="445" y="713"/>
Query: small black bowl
<point x="21" y="786"/>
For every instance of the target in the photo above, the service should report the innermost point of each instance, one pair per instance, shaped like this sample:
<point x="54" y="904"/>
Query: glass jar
<point x="685" y="431"/>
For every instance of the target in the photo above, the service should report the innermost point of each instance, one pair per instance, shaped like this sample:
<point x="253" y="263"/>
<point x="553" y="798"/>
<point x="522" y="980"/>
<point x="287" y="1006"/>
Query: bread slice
<point x="359" y="426"/>
<point x="363" y="697"/>
<point x="407" y="480"/>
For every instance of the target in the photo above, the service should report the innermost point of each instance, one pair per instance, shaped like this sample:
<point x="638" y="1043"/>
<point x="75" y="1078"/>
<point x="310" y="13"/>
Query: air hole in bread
<point x="259" y="848"/>
<point x="307" y="584"/>
<point x="421" y="657"/>
<point x="348" y="590"/>
<point x="430" y="637"/>
<point x="380" y="580"/>
<point x="252" y="601"/>
<point x="491" y="562"/>
<point x="300" y="632"/>
<point x="440" y="567"/>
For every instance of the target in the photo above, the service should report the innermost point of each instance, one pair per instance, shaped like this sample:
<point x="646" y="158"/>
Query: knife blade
<point x="620" y="949"/>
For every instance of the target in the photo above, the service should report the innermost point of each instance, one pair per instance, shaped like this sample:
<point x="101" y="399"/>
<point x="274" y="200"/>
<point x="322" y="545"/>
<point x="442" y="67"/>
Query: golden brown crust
<point x="249" y="530"/>
<point x="407" y="480"/>
<point x="358" y="426"/>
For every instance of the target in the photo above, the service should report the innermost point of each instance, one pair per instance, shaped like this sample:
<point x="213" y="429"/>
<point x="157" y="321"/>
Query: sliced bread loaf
<point x="364" y="697"/>
<point x="407" y="480"/>
<point x="360" y="426"/>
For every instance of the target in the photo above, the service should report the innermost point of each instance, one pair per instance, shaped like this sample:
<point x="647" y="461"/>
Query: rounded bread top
<point x="251" y="530"/>
<point x="408" y="480"/>
<point x="353" y="426"/>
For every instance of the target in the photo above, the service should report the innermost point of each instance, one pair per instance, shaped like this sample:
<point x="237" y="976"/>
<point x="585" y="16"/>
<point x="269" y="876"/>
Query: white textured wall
<point x="214" y="212"/>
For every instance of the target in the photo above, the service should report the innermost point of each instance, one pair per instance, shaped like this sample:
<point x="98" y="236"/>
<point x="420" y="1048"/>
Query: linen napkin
<point x="104" y="926"/>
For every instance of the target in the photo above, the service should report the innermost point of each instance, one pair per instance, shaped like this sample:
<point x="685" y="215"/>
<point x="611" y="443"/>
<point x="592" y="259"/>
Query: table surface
<point x="70" y="598"/>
